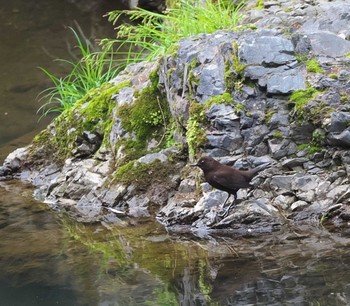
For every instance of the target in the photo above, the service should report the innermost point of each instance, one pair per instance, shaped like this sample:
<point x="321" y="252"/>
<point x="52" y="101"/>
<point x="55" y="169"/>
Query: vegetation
<point x="300" y="98"/>
<point x="148" y="117"/>
<point x="92" y="113"/>
<point x="150" y="34"/>
<point x="312" y="65"/>
<point x="91" y="71"/>
<point x="260" y="5"/>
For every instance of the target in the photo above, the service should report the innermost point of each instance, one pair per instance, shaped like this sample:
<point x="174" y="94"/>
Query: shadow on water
<point x="49" y="259"/>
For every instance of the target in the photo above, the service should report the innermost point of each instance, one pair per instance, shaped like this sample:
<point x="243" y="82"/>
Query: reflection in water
<point x="48" y="259"/>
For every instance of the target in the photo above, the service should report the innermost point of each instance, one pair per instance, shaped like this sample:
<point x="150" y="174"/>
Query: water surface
<point x="49" y="259"/>
<point x="34" y="34"/>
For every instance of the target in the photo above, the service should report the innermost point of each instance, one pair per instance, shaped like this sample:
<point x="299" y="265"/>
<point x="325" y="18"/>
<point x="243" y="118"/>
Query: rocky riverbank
<point x="277" y="91"/>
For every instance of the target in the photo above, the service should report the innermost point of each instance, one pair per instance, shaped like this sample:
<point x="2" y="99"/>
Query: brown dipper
<point x="226" y="178"/>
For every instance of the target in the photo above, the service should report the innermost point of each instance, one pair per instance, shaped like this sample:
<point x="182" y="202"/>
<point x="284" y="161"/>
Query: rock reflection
<point x="46" y="258"/>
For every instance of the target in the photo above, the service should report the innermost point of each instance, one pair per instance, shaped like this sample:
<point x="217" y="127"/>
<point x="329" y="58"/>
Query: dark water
<point x="48" y="259"/>
<point x="33" y="34"/>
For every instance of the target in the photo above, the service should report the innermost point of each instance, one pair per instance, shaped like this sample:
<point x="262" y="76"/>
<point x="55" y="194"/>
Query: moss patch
<point x="260" y="4"/>
<point x="143" y="174"/>
<point x="195" y="134"/>
<point x="92" y="113"/>
<point x="234" y="71"/>
<point x="148" y="117"/>
<point x="299" y="99"/>
<point x="312" y="65"/>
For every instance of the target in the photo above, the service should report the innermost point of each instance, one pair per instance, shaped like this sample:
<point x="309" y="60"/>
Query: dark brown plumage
<point x="226" y="178"/>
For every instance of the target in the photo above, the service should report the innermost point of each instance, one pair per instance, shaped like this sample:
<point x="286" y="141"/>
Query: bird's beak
<point x="193" y="165"/>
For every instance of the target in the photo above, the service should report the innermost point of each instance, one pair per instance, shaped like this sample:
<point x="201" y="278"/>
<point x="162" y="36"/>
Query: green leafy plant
<point x="150" y="34"/>
<point x="91" y="71"/>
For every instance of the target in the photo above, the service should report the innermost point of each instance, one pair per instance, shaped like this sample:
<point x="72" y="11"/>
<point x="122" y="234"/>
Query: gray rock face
<point x="267" y="51"/>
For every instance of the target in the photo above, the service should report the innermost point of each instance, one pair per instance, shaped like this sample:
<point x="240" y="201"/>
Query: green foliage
<point x="234" y="71"/>
<point x="195" y="134"/>
<point x="333" y="76"/>
<point x="301" y="58"/>
<point x="147" y="117"/>
<point x="92" y="113"/>
<point x="143" y="174"/>
<point x="278" y="135"/>
<point x="93" y="70"/>
<point x="150" y="34"/>
<point x="312" y="65"/>
<point x="260" y="4"/>
<point x="300" y="98"/>
<point x="317" y="142"/>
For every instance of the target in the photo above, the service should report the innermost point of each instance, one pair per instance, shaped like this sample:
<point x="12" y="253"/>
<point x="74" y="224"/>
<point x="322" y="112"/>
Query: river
<point x="48" y="259"/>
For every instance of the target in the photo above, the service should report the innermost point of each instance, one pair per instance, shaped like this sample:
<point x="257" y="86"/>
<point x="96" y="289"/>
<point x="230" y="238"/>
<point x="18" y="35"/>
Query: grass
<point x="147" y="36"/>
<point x="150" y="34"/>
<point x="91" y="71"/>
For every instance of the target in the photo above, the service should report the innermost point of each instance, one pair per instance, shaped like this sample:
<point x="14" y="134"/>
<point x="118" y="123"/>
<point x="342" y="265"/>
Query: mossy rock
<point x="92" y="113"/>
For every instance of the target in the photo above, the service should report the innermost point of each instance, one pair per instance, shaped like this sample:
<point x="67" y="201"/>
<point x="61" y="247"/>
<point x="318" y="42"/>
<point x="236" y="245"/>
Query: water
<point x="48" y="259"/>
<point x="33" y="34"/>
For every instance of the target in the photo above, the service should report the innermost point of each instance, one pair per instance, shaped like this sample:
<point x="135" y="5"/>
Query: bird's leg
<point x="229" y="207"/>
<point x="223" y="205"/>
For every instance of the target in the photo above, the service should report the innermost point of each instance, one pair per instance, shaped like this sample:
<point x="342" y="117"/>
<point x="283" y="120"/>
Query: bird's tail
<point x="259" y="168"/>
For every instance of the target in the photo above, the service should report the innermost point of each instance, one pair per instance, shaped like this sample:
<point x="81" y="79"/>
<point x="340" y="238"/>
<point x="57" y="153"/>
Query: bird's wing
<point x="236" y="181"/>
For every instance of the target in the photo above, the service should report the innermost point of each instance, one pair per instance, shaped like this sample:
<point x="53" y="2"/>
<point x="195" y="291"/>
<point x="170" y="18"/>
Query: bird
<point x="226" y="178"/>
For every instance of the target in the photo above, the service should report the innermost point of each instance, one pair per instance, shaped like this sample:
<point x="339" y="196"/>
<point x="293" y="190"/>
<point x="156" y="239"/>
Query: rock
<point x="138" y="206"/>
<point x="187" y="185"/>
<point x="339" y="122"/>
<point x="298" y="205"/>
<point x="282" y="183"/>
<point x="342" y="139"/>
<point x="286" y="82"/>
<point x="268" y="51"/>
<point x="283" y="201"/>
<point x="329" y="44"/>
<point x="211" y="199"/>
<point x="294" y="162"/>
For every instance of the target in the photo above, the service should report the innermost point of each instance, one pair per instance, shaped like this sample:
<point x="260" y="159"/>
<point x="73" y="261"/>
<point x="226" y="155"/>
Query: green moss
<point x="225" y="98"/>
<point x="301" y="58"/>
<point x="92" y="113"/>
<point x="278" y="135"/>
<point x="142" y="174"/>
<point x="343" y="99"/>
<point x="148" y="117"/>
<point x="311" y="148"/>
<point x="312" y="65"/>
<point x="269" y="115"/>
<point x="318" y="113"/>
<point x="318" y="140"/>
<point x="260" y="4"/>
<point x="234" y="71"/>
<point x="347" y="55"/>
<point x="300" y="98"/>
<point x="333" y="76"/>
<point x="195" y="134"/>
